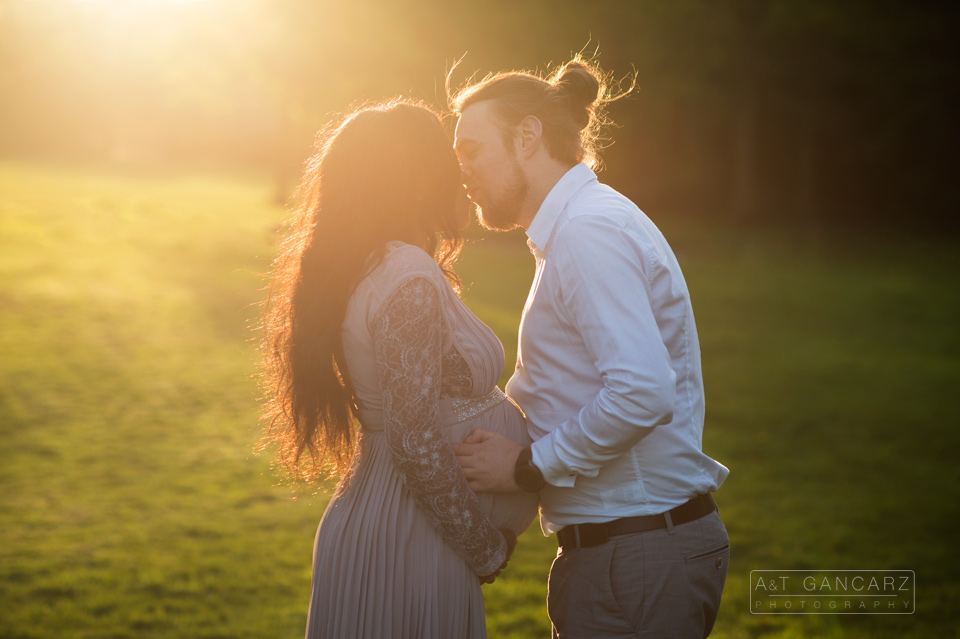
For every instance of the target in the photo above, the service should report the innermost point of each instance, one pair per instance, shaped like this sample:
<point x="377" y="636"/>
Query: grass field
<point x="132" y="505"/>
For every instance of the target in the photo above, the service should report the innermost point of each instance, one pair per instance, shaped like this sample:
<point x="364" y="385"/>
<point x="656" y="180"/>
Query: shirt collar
<point x="541" y="228"/>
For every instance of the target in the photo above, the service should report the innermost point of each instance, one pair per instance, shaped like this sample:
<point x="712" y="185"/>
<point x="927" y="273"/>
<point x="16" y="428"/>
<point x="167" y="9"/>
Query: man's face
<point x="491" y="172"/>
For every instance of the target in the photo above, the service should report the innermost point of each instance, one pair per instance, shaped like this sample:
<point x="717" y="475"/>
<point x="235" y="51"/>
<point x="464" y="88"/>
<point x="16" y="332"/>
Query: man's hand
<point x="488" y="460"/>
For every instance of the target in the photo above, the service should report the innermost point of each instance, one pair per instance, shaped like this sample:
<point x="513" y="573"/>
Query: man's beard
<point x="502" y="212"/>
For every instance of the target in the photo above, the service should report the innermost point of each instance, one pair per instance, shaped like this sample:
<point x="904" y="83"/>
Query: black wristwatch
<point x="526" y="474"/>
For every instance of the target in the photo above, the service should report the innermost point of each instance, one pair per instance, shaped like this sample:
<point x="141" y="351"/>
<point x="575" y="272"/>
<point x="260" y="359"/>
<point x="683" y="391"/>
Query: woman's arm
<point x="408" y="338"/>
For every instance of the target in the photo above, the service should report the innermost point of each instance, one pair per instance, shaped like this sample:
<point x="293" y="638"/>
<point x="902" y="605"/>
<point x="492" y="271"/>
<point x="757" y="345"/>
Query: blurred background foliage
<point x="817" y="113"/>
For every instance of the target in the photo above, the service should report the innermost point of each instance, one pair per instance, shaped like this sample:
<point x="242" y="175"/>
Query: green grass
<point x="131" y="504"/>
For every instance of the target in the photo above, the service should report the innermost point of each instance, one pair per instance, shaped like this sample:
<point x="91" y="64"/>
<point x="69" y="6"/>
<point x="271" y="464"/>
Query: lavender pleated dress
<point x="402" y="541"/>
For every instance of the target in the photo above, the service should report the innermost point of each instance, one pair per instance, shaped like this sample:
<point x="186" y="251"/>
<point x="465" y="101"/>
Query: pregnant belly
<point x="512" y="511"/>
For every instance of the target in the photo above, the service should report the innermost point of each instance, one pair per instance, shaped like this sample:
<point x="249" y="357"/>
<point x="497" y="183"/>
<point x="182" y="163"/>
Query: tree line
<point x="752" y="111"/>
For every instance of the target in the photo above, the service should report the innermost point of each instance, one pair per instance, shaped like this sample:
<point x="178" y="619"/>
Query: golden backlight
<point x="199" y="81"/>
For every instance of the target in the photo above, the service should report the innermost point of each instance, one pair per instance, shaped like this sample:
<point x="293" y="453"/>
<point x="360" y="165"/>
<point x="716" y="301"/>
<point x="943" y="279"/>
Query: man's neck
<point x="541" y="179"/>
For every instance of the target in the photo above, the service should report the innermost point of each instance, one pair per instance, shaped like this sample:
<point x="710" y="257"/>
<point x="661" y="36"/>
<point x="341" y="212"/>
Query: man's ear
<point x="531" y="134"/>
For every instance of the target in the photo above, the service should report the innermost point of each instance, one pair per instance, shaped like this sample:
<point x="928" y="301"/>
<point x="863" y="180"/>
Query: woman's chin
<point x="464" y="216"/>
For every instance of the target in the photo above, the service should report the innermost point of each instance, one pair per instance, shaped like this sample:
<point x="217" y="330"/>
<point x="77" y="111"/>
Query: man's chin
<point x="497" y="220"/>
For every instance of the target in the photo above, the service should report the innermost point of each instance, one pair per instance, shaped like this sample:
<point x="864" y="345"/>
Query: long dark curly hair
<point x="381" y="173"/>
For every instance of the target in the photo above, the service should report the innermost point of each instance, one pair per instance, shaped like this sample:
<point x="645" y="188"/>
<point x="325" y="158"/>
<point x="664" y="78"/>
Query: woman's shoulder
<point x="400" y="264"/>
<point x="401" y="258"/>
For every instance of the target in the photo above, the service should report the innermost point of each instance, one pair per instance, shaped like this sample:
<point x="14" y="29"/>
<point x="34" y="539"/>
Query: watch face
<point x="529" y="478"/>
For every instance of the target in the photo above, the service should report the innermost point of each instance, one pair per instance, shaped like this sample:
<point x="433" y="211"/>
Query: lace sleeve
<point x="408" y="337"/>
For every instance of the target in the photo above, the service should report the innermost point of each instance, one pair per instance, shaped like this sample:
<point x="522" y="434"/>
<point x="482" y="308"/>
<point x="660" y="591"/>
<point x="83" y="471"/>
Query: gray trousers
<point x="660" y="583"/>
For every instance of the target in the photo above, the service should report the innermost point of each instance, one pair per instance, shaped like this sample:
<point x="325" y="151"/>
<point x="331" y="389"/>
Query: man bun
<point x="581" y="87"/>
<point x="570" y="104"/>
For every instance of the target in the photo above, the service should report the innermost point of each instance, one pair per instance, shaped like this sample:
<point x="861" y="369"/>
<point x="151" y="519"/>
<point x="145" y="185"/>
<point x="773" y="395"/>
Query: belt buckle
<point x="590" y="535"/>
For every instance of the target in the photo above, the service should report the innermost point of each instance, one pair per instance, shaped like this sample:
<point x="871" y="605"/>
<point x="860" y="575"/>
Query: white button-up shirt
<point x="608" y="364"/>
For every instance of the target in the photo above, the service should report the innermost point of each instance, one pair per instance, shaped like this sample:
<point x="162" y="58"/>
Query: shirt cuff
<point x="554" y="471"/>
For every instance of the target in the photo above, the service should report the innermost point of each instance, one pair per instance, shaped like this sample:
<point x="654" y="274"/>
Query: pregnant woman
<point x="363" y="327"/>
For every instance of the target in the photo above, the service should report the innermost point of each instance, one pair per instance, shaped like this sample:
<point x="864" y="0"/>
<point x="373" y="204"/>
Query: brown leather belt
<point x="589" y="535"/>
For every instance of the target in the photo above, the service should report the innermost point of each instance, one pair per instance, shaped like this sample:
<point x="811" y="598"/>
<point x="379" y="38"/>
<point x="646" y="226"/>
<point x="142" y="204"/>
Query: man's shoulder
<point x="602" y="221"/>
<point x="601" y="203"/>
<point x="598" y="211"/>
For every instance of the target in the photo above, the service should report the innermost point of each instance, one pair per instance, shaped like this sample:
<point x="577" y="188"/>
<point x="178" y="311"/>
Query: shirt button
<point x="719" y="563"/>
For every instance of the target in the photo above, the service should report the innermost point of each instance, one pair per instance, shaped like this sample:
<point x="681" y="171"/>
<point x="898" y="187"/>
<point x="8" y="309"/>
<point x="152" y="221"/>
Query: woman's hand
<point x="511" y="546"/>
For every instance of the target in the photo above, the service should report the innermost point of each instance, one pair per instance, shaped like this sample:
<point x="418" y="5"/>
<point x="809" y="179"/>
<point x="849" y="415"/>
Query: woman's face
<point x="462" y="209"/>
